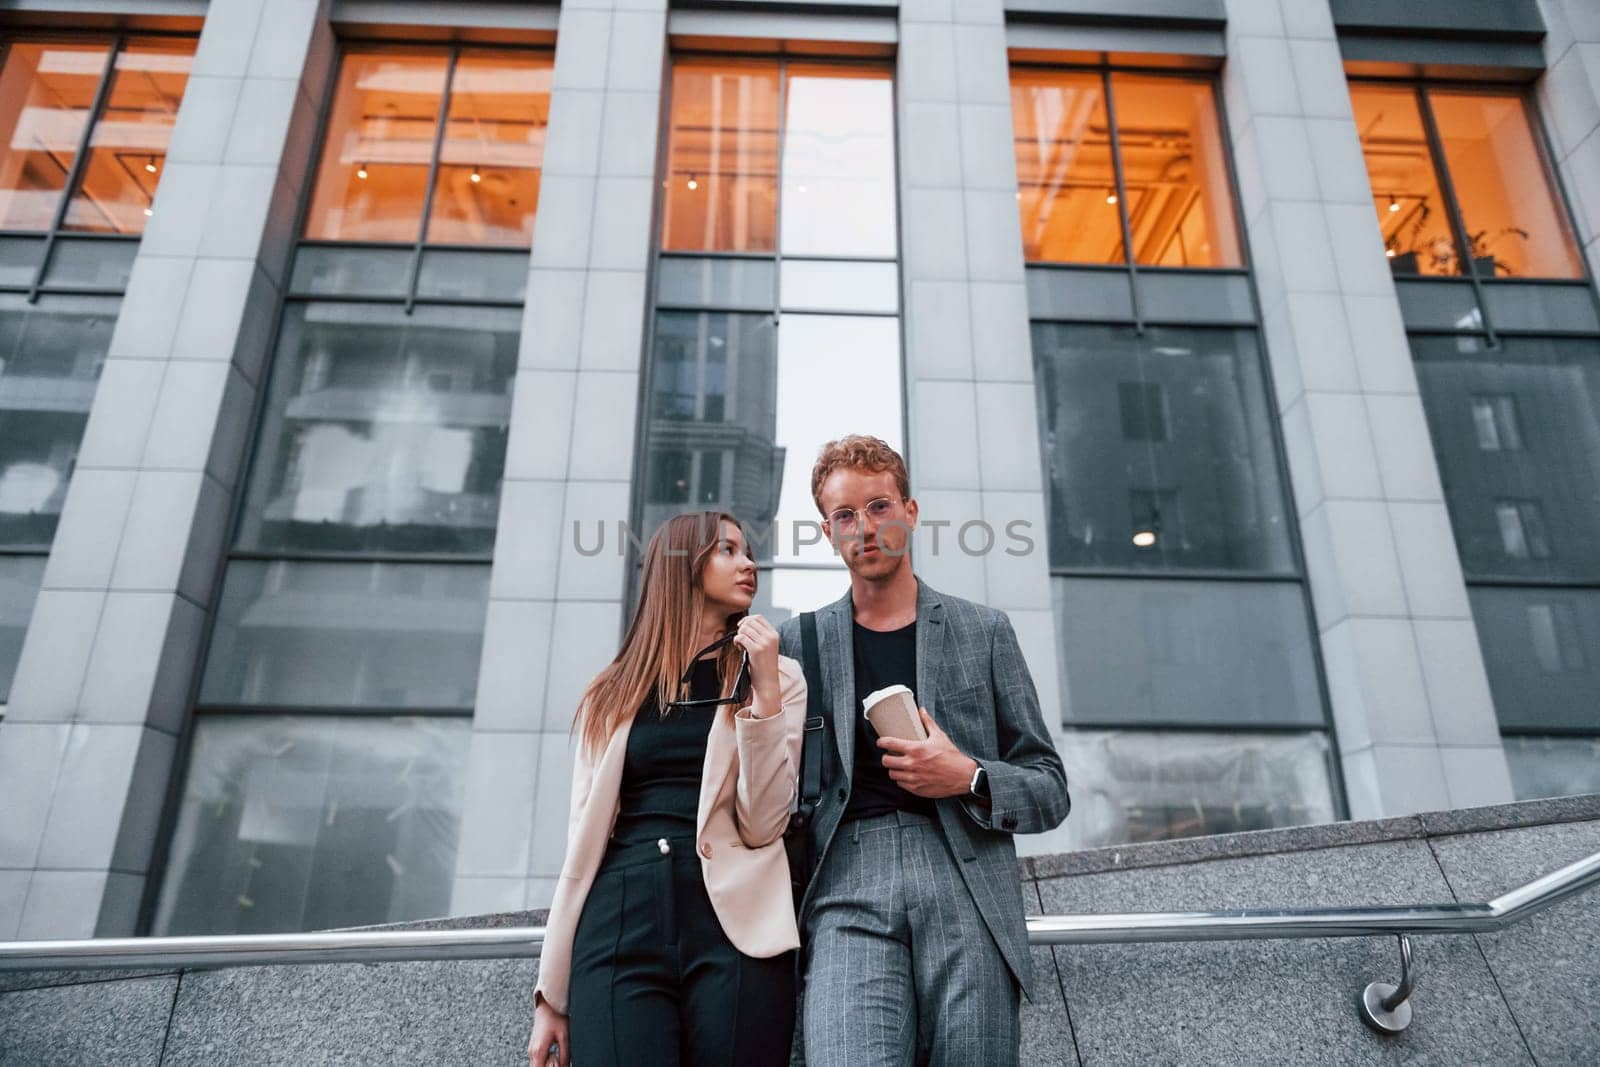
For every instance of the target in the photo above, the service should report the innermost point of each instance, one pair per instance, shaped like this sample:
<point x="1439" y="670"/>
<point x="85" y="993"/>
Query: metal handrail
<point x="386" y="946"/>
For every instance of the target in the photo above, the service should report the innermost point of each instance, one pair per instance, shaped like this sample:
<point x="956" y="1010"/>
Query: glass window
<point x="299" y="823"/>
<point x="1180" y="201"/>
<point x="1206" y="653"/>
<point x="1541" y="646"/>
<point x="378" y="146"/>
<point x="791" y="164"/>
<point x="51" y="353"/>
<point x="1553" y="766"/>
<point x="346" y="635"/>
<point x="128" y="147"/>
<point x="378" y="151"/>
<point x="838" y="162"/>
<point x="1135" y="424"/>
<point x="1153" y="785"/>
<point x="488" y="182"/>
<point x="1508" y="206"/>
<point x="20" y="578"/>
<point x="724" y="163"/>
<point x="1510" y="213"/>
<point x="1517" y="433"/>
<point x="1066" y="184"/>
<point x="47" y="91"/>
<point x="784" y="406"/>
<point x="721" y="185"/>
<point x="1173" y="165"/>
<point x="383" y="431"/>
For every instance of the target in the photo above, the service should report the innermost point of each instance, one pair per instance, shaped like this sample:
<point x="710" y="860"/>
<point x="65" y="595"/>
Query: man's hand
<point x="932" y="768"/>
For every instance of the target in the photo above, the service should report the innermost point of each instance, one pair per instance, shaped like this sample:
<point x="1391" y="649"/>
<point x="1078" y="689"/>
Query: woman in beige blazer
<point x="671" y="937"/>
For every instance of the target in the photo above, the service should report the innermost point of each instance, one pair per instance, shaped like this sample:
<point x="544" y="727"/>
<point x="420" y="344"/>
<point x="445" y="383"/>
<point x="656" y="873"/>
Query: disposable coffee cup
<point x="892" y="711"/>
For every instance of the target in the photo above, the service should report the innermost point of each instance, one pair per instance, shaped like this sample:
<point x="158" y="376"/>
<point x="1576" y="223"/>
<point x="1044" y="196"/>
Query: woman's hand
<point x="549" y="1027"/>
<point x="757" y="637"/>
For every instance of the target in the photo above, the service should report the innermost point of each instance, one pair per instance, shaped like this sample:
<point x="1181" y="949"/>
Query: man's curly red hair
<point x="858" y="452"/>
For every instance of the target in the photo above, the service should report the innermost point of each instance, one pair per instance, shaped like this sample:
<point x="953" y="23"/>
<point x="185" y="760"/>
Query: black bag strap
<point x="816" y="723"/>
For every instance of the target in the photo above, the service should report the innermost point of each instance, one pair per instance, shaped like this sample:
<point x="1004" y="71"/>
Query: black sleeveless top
<point x="660" y="793"/>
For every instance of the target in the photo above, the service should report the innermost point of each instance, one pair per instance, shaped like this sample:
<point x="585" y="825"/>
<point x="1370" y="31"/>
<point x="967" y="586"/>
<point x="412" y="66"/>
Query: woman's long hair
<point x="664" y="630"/>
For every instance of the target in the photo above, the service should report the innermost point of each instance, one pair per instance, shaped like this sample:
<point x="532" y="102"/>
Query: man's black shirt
<point x="882" y="658"/>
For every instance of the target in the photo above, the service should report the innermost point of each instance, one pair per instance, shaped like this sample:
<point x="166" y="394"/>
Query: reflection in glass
<point x="1116" y="486"/>
<point x="1411" y="211"/>
<point x="1541" y="646"/>
<point x="1067" y="187"/>
<point x="739" y="409"/>
<point x="1530" y="506"/>
<point x="337" y="271"/>
<point x="1553" y="766"/>
<point x="20" y="577"/>
<point x="1180" y="202"/>
<point x="128" y="148"/>
<point x="46" y="93"/>
<point x="783" y="592"/>
<point x="721" y="184"/>
<point x="1513" y="219"/>
<point x="90" y="263"/>
<point x="375" y="635"/>
<point x="310" y="823"/>
<point x="488" y="181"/>
<point x="463" y="274"/>
<point x="1148" y="785"/>
<point x="838" y="162"/>
<point x="50" y="358"/>
<point x="378" y="146"/>
<point x="816" y="285"/>
<point x="383" y="431"/>
<point x="1194" y="652"/>
<point x="715" y="282"/>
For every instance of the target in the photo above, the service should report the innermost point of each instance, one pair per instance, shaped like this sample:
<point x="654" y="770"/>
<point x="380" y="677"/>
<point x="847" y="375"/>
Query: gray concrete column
<point x="1569" y="101"/>
<point x="555" y="615"/>
<point x="102" y="689"/>
<point x="974" y="435"/>
<point x="1411" y="705"/>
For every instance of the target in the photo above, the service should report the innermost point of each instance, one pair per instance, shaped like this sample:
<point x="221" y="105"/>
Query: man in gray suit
<point x="915" y="944"/>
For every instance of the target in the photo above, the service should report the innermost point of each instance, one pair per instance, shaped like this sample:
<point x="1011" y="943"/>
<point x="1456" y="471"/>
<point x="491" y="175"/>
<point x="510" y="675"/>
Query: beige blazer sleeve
<point x="769" y="760"/>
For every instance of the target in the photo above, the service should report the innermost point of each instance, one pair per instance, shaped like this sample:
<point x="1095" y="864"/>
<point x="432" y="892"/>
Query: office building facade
<point x="1245" y="352"/>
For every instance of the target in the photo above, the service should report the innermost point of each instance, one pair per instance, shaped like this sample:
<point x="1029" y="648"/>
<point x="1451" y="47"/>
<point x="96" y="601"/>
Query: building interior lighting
<point x="361" y="171"/>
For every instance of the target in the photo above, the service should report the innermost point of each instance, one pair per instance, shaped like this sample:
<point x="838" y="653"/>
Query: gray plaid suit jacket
<point x="974" y="682"/>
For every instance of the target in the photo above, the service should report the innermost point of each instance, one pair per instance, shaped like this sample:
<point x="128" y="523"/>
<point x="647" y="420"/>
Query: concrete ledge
<point x="1313" y="838"/>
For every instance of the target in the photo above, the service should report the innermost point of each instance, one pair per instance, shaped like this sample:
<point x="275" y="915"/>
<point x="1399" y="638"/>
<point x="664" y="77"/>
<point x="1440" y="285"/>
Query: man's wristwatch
<point x="979" y="786"/>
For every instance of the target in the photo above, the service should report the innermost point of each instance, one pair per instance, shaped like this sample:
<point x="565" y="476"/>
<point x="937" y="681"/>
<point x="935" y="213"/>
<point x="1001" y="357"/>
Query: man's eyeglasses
<point x="844" y="519"/>
<point x="741" y="681"/>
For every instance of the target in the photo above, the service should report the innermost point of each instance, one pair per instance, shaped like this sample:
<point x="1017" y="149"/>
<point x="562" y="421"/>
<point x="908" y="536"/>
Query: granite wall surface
<point x="1522" y="996"/>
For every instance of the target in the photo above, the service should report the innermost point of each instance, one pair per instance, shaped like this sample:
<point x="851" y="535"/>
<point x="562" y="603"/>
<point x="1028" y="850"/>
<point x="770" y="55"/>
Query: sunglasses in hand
<point x="741" y="681"/>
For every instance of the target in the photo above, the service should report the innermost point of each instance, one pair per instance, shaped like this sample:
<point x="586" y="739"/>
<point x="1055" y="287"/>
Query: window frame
<point x="1562" y="202"/>
<point x="1139" y="321"/>
<point x="773" y="309"/>
<point x="1212" y="80"/>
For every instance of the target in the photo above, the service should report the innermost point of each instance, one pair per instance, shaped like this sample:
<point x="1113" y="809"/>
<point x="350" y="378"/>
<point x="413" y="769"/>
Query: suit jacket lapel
<point x="930" y="645"/>
<point x="835" y="635"/>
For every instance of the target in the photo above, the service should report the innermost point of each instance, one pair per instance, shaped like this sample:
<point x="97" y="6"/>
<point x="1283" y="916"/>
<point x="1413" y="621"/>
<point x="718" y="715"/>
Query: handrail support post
<point x="1387" y="1008"/>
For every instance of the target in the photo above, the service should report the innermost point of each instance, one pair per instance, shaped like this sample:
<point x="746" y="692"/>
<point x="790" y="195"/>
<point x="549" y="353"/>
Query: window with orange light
<point x="740" y="126"/>
<point x="93" y="114"/>
<point x="423" y="145"/>
<point x="1106" y="160"/>
<point x="1499" y="202"/>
